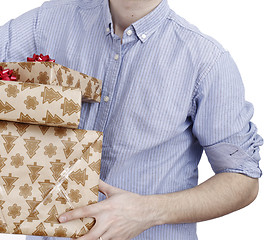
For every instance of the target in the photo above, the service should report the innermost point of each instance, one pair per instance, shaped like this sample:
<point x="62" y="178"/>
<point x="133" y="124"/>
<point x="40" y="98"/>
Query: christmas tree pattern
<point x="69" y="107"/>
<point x="9" y="180"/>
<point x="6" y="107"/>
<point x="34" y="169"/>
<point x="49" y="95"/>
<point x="31" y="145"/>
<point x="53" y="216"/>
<point x="9" y="141"/>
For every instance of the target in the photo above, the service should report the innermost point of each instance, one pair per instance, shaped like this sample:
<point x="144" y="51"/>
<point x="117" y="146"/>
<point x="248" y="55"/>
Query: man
<point x="169" y="91"/>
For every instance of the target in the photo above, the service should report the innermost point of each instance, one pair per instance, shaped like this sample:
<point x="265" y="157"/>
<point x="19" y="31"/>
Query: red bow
<point x="40" y="58"/>
<point x="6" y="74"/>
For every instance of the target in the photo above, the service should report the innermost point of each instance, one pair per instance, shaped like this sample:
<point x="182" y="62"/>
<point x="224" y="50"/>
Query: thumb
<point x="108" y="190"/>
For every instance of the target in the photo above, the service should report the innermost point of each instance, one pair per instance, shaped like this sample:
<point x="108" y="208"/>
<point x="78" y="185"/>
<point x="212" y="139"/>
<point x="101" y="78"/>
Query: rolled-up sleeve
<point x="19" y="37"/>
<point x="222" y="120"/>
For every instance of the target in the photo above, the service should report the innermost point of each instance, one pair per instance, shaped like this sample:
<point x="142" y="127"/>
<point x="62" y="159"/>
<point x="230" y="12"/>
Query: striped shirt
<point x="169" y="92"/>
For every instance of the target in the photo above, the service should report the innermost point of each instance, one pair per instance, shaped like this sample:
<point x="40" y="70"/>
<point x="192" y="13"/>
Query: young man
<point x="169" y="91"/>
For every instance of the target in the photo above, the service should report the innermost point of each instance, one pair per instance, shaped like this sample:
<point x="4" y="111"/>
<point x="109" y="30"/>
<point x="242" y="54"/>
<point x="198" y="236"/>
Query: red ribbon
<point x="6" y="74"/>
<point x="40" y="58"/>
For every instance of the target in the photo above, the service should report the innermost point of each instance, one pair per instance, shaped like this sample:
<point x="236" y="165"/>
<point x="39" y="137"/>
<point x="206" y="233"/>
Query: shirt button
<point x="107" y="29"/>
<point x="143" y="36"/>
<point x="116" y="57"/>
<point x="106" y="98"/>
<point x="129" y="32"/>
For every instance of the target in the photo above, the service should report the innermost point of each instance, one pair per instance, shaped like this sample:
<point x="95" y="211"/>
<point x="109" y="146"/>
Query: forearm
<point x="219" y="195"/>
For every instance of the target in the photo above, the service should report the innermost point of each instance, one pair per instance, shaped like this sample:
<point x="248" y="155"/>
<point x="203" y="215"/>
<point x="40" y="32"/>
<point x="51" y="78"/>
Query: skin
<point x="124" y="215"/>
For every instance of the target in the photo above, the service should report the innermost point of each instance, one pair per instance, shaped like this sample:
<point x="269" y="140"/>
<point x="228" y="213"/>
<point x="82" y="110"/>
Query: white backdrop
<point x="242" y="27"/>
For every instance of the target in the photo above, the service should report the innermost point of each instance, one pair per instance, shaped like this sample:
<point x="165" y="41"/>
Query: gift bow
<point x="40" y="58"/>
<point x="7" y="74"/>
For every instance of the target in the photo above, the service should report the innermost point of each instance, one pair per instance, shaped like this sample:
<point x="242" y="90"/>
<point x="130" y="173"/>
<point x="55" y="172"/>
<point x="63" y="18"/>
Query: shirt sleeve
<point x="222" y="120"/>
<point x="19" y="37"/>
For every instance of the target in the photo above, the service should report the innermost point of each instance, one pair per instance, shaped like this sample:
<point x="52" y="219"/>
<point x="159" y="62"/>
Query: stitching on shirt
<point x="205" y="37"/>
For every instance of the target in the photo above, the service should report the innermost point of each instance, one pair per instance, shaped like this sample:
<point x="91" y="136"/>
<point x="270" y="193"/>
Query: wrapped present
<point x="44" y="172"/>
<point x="45" y="169"/>
<point x="51" y="73"/>
<point x="40" y="104"/>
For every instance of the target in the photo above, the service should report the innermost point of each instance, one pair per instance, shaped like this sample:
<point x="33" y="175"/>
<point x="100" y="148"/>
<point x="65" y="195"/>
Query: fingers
<point x="82" y="212"/>
<point x="94" y="233"/>
<point x="108" y="190"/>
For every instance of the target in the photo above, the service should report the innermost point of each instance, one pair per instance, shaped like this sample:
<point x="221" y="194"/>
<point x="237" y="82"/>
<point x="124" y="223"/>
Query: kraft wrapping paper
<point x="54" y="74"/>
<point x="44" y="172"/>
<point x="40" y="104"/>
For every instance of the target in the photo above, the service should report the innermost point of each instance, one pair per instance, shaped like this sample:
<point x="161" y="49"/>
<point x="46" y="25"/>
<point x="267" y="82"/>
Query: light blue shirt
<point x="169" y="92"/>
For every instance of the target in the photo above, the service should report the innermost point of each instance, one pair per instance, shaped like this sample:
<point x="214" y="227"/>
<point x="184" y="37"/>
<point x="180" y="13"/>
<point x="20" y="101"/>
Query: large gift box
<point x="45" y="169"/>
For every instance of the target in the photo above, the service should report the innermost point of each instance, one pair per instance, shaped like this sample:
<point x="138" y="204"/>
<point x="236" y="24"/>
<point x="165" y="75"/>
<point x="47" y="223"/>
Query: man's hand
<point x="123" y="215"/>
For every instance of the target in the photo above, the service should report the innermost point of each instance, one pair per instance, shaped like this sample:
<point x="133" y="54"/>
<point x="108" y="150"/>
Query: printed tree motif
<point x="57" y="168"/>
<point x="95" y="190"/>
<point x="68" y="147"/>
<point x="53" y="216"/>
<point x="43" y="129"/>
<point x="52" y="119"/>
<point x="95" y="166"/>
<point x="88" y="90"/>
<point x="32" y="145"/>
<point x="21" y="128"/>
<point x="9" y="141"/>
<point x="79" y="176"/>
<point x="29" y="84"/>
<point x="40" y="231"/>
<point x="26" y="118"/>
<point x="80" y="134"/>
<point x="6" y="107"/>
<point x="9" y="180"/>
<point x="49" y="95"/>
<point x="45" y="187"/>
<point x="27" y="65"/>
<point x="69" y="107"/>
<point x="33" y="212"/>
<point x="34" y="169"/>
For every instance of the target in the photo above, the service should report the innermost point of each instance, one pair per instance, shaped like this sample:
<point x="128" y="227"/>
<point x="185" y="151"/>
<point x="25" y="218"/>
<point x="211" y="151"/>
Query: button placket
<point x="109" y="85"/>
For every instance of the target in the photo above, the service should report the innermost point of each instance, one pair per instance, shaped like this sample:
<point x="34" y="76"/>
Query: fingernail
<point x="62" y="219"/>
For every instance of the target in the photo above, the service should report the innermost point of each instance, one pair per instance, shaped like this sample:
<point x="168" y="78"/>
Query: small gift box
<point x="40" y="104"/>
<point x="52" y="73"/>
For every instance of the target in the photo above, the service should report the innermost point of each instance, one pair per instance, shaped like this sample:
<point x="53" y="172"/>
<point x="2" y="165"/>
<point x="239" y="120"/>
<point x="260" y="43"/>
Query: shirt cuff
<point x="226" y="157"/>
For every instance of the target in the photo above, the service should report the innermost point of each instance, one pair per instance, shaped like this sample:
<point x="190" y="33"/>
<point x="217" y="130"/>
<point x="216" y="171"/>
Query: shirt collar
<point x="145" y="26"/>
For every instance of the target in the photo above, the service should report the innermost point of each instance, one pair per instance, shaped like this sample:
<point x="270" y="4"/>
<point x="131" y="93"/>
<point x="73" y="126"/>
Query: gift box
<point x="40" y="104"/>
<point x="52" y="73"/>
<point x="45" y="169"/>
<point x="44" y="172"/>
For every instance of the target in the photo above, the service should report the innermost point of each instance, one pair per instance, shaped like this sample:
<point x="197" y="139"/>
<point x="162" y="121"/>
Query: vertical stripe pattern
<point x="169" y="92"/>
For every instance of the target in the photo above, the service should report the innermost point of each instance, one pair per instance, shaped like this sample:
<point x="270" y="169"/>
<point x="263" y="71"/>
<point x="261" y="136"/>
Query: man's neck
<point x="126" y="12"/>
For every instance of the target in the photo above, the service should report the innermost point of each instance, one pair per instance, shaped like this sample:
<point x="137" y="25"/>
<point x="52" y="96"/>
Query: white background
<point x="242" y="27"/>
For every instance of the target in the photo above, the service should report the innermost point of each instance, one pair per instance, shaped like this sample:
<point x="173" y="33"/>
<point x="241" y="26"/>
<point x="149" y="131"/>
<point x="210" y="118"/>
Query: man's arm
<point x="124" y="215"/>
